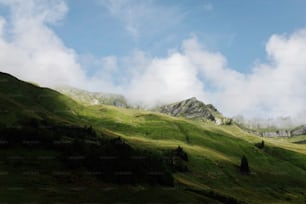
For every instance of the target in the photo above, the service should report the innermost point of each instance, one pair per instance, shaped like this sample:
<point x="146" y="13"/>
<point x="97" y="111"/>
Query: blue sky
<point x="245" y="57"/>
<point x="238" y="28"/>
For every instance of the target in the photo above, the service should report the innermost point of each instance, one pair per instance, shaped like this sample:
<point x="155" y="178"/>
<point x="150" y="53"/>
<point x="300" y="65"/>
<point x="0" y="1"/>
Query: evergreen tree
<point x="244" y="165"/>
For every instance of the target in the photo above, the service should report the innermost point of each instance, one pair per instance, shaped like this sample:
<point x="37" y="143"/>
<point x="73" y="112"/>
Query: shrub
<point x="177" y="159"/>
<point x="260" y="145"/>
<point x="244" y="165"/>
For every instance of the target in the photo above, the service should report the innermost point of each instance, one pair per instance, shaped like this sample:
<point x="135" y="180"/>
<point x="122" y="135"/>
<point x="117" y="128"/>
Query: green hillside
<point x="20" y="100"/>
<point x="141" y="142"/>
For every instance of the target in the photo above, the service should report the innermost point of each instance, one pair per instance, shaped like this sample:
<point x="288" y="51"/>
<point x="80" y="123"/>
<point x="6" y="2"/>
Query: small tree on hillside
<point x="260" y="145"/>
<point x="177" y="159"/>
<point x="181" y="153"/>
<point x="244" y="165"/>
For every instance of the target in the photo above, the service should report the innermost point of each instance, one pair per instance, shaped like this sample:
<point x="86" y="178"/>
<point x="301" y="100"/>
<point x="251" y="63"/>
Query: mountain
<point x="54" y="149"/>
<point x="189" y="108"/>
<point x="192" y="108"/>
<point x="93" y="98"/>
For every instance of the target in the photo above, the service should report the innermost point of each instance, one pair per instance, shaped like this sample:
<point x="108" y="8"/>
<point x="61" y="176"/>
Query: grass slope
<point x="20" y="100"/>
<point x="278" y="171"/>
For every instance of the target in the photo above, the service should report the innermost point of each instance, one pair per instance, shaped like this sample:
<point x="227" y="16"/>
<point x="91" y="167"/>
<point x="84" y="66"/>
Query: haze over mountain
<point x="93" y="98"/>
<point x="35" y="48"/>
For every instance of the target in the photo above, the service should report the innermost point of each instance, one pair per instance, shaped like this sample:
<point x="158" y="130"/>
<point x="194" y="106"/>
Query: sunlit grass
<point x="214" y="151"/>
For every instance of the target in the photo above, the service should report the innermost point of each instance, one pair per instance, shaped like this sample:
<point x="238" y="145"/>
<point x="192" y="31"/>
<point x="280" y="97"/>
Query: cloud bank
<point x="31" y="50"/>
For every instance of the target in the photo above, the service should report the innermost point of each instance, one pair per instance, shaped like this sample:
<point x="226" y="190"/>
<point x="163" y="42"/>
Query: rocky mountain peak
<point x="192" y="99"/>
<point x="189" y="108"/>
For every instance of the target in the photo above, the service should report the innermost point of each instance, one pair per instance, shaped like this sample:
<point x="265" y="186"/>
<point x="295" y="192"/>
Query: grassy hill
<point x="34" y="172"/>
<point x="20" y="100"/>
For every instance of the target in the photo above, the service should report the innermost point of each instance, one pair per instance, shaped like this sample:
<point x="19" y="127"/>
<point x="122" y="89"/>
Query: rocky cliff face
<point x="299" y="131"/>
<point x="278" y="133"/>
<point x="277" y="127"/>
<point x="190" y="108"/>
<point x="283" y="133"/>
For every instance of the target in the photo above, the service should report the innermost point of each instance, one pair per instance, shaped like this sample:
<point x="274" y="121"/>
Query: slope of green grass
<point x="277" y="171"/>
<point x="215" y="151"/>
<point x="20" y="100"/>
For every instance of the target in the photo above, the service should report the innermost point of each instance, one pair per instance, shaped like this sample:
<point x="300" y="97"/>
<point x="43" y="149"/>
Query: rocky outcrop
<point x="190" y="108"/>
<point x="223" y="121"/>
<point x="277" y="133"/>
<point x="280" y="133"/>
<point x="299" y="131"/>
<point x="285" y="133"/>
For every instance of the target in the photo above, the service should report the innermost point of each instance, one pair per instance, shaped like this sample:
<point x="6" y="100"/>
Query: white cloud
<point x="2" y="27"/>
<point x="33" y="50"/>
<point x="166" y="80"/>
<point x="139" y="16"/>
<point x="276" y="88"/>
<point x="39" y="10"/>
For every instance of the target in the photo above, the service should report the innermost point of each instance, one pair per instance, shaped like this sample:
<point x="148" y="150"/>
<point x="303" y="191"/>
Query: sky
<point x="245" y="57"/>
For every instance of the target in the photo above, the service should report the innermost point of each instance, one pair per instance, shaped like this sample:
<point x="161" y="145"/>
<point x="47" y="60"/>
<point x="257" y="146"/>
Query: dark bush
<point x="260" y="145"/>
<point x="177" y="159"/>
<point x="244" y="165"/>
